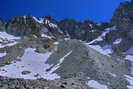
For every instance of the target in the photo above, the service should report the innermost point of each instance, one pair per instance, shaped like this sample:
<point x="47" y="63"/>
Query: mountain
<point x="44" y="53"/>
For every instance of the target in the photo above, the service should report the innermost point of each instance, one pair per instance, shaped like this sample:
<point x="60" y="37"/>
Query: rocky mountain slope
<point x="43" y="53"/>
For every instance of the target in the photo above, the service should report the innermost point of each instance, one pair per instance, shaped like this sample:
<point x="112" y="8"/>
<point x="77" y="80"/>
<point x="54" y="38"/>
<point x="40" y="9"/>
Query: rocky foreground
<point x="14" y="83"/>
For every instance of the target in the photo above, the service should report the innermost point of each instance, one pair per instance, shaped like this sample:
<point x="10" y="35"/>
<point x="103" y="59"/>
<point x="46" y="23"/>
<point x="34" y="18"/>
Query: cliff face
<point x="68" y="28"/>
<point x="123" y="18"/>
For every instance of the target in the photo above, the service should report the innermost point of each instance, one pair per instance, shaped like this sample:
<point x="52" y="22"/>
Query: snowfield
<point x="96" y="85"/>
<point x="3" y="54"/>
<point x="31" y="62"/>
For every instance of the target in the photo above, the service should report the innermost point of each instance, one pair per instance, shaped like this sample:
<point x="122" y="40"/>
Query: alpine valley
<point x="44" y="53"/>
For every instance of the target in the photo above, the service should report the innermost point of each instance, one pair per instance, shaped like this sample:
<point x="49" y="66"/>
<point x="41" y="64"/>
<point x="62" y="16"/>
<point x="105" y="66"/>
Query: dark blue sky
<point x="95" y="10"/>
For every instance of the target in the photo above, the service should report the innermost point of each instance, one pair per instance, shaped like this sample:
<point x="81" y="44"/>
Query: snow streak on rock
<point x="60" y="61"/>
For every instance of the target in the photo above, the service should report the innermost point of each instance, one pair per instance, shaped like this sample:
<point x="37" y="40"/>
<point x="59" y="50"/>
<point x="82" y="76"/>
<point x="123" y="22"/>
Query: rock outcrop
<point x="80" y="60"/>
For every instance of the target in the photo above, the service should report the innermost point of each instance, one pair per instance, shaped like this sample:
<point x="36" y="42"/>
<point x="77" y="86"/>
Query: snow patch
<point x="130" y="87"/>
<point x="101" y="50"/>
<point x="56" y="43"/>
<point x="129" y="57"/>
<point x="117" y="41"/>
<point x="91" y="26"/>
<point x="66" y="39"/>
<point x="130" y="80"/>
<point x="96" y="85"/>
<point x="46" y="36"/>
<point x="31" y="61"/>
<point x="3" y="54"/>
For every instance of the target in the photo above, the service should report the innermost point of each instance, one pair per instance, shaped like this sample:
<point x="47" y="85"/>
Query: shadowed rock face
<point x="123" y="18"/>
<point x="123" y="29"/>
<point x="85" y="31"/>
<point x="2" y="25"/>
<point x="21" y="26"/>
